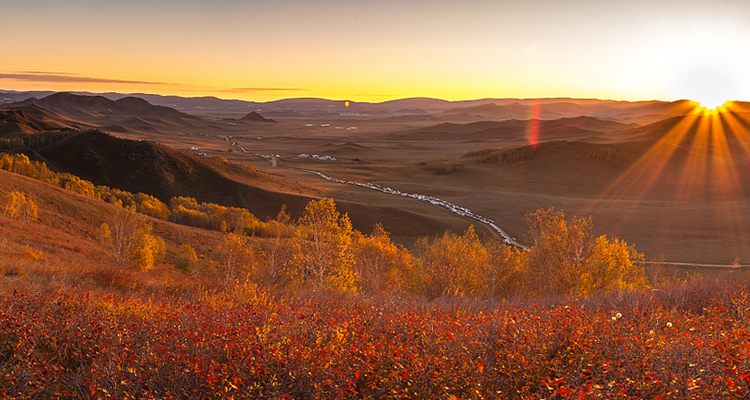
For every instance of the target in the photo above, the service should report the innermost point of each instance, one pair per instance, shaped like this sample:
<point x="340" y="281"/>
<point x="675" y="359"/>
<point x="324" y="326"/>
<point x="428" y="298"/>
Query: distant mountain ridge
<point x="78" y="106"/>
<point x="84" y="112"/>
<point x="640" y="112"/>
<point x="578" y="127"/>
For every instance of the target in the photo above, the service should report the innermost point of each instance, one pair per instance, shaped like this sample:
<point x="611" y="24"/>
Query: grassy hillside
<point x="62" y="246"/>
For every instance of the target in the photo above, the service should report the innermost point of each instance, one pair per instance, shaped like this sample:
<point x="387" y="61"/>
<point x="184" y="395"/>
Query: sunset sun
<point x="705" y="66"/>
<point x="711" y="104"/>
<point x="712" y="86"/>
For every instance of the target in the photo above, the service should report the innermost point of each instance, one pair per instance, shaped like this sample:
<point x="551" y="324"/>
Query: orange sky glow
<point x="377" y="51"/>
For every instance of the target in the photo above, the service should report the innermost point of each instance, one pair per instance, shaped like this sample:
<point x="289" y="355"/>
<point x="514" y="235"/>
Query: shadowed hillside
<point x="164" y="173"/>
<point x="66" y="232"/>
<point x="511" y="129"/>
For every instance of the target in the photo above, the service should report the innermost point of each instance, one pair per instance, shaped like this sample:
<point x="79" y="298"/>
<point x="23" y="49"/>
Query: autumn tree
<point x="151" y="206"/>
<point x="322" y="243"/>
<point x="502" y="273"/>
<point x="80" y="186"/>
<point x="241" y="220"/>
<point x="234" y="255"/>
<point x="127" y="237"/>
<point x="275" y="253"/>
<point x="379" y="264"/>
<point x="20" y="164"/>
<point x="186" y="259"/>
<point x="566" y="260"/>
<point x="18" y="205"/>
<point x="185" y="212"/>
<point x="453" y="265"/>
<point x="613" y="265"/>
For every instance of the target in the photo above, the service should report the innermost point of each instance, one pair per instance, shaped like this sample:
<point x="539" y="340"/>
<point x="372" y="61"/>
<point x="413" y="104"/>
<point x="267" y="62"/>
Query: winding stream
<point x="462" y="211"/>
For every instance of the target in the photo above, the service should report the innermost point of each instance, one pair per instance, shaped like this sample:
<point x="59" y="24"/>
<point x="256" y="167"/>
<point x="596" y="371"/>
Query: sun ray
<point x="641" y="175"/>
<point x="532" y="130"/>
<point x="698" y="166"/>
<point x="734" y="120"/>
<point x="693" y="178"/>
<point x="625" y="194"/>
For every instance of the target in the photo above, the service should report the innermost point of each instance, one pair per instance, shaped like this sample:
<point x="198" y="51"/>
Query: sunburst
<point x="698" y="163"/>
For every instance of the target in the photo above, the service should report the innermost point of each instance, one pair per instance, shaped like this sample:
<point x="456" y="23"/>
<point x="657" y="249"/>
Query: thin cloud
<point x="260" y="89"/>
<point x="37" y="76"/>
<point x="44" y="73"/>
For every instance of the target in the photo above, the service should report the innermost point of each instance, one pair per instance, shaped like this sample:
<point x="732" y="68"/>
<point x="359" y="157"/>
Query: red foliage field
<point x="686" y="340"/>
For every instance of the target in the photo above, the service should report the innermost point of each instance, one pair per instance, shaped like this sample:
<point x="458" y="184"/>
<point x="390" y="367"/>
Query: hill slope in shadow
<point x="163" y="172"/>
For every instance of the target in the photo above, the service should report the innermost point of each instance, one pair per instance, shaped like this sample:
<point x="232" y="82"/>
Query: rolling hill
<point x="19" y="122"/>
<point x="510" y="129"/>
<point x="162" y="172"/>
<point x="101" y="112"/>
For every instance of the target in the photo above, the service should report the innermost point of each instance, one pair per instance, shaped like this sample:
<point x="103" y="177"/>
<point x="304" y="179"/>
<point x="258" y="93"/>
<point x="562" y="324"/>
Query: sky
<point x="367" y="50"/>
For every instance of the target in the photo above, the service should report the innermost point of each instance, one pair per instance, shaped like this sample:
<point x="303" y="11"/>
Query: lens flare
<point x="532" y="130"/>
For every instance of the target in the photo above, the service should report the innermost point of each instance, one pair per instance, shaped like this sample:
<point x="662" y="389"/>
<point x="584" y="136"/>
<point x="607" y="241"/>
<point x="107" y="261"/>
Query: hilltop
<point x="77" y="111"/>
<point x="255" y="117"/>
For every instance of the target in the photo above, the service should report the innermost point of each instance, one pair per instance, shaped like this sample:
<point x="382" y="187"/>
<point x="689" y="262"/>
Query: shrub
<point x="186" y="258"/>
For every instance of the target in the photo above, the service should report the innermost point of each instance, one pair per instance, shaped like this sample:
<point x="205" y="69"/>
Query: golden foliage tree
<point x="502" y="273"/>
<point x="186" y="259"/>
<point x="380" y="264"/>
<point x="128" y="239"/>
<point x="276" y="252"/>
<point x="151" y="206"/>
<point x="453" y="265"/>
<point x="20" y="164"/>
<point x="613" y="265"/>
<point x="18" y="205"/>
<point x="566" y="260"/>
<point x="235" y="258"/>
<point x="80" y="186"/>
<point x="322" y="241"/>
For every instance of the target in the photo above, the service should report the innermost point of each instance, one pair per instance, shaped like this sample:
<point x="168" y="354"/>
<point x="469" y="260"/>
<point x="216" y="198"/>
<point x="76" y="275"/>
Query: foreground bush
<point x="684" y="341"/>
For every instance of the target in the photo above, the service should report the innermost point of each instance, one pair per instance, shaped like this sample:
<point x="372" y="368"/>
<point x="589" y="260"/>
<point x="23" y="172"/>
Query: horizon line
<point x="85" y="92"/>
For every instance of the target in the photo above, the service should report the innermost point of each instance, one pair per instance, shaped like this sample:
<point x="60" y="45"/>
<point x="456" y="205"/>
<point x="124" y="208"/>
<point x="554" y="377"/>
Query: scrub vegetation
<point x="134" y="298"/>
